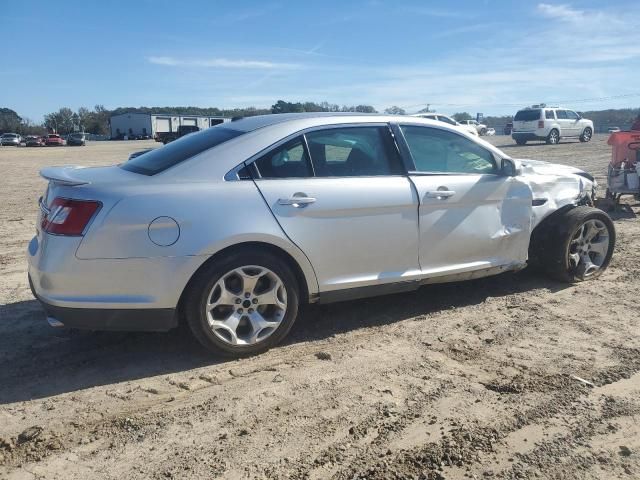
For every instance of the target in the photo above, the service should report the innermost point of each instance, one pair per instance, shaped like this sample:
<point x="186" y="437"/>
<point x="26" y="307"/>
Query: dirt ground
<point x="467" y="380"/>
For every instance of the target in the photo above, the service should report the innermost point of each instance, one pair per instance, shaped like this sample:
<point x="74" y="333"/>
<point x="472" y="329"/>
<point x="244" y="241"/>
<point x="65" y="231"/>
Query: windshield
<point x="527" y="115"/>
<point x="179" y="150"/>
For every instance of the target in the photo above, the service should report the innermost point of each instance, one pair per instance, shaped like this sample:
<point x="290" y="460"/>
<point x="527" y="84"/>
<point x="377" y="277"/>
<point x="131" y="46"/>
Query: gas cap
<point x="164" y="231"/>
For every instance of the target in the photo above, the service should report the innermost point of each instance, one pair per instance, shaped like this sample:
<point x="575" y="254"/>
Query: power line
<point x="520" y="104"/>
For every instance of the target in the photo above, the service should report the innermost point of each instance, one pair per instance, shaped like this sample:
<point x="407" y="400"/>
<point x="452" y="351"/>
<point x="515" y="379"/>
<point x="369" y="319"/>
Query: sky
<point x="478" y="56"/>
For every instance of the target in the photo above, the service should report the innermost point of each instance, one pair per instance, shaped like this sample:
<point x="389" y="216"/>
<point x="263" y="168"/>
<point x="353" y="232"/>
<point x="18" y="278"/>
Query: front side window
<point x="439" y="151"/>
<point x="561" y="114"/>
<point x="287" y="161"/>
<point x="353" y="152"/>
<point x="572" y="115"/>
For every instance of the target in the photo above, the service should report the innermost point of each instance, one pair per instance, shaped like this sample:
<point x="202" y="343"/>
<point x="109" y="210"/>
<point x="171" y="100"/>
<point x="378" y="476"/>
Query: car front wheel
<point x="242" y="305"/>
<point x="587" y="133"/>
<point x="579" y="246"/>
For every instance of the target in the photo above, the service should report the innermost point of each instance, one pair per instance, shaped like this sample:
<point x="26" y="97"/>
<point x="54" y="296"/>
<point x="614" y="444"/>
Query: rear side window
<point x="527" y="116"/>
<point x="548" y="114"/>
<point x="440" y="151"/>
<point x="561" y="114"/>
<point x="353" y="152"/>
<point x="178" y="151"/>
<point x="287" y="161"/>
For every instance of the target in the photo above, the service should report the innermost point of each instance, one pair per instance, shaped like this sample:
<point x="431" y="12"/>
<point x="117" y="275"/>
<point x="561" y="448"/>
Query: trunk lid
<point x="526" y="120"/>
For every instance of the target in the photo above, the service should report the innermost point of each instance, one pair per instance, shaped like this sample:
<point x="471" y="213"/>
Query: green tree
<point x="10" y="121"/>
<point x="460" y="116"/>
<point x="395" y="111"/>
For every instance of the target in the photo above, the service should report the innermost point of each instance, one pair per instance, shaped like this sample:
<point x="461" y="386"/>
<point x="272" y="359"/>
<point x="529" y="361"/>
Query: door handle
<point x="440" y="194"/>
<point x="297" y="202"/>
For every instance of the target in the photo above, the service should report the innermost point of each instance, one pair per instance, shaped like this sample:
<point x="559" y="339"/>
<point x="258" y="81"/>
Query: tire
<point x="554" y="137"/>
<point x="586" y="135"/>
<point x="234" y="308"/>
<point x="483" y="132"/>
<point x="521" y="141"/>
<point x="576" y="235"/>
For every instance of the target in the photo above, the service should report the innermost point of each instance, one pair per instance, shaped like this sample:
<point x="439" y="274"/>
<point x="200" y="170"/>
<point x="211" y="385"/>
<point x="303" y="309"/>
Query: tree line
<point x="96" y="120"/>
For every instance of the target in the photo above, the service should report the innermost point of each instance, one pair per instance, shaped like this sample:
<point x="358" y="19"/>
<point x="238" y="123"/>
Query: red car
<point x="53" y="139"/>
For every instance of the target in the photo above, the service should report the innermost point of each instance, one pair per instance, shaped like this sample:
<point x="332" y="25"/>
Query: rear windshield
<point x="527" y="115"/>
<point x="158" y="160"/>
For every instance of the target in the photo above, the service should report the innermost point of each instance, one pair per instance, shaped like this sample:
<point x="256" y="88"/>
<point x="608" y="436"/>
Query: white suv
<point x="448" y="120"/>
<point x="550" y="124"/>
<point x="481" y="128"/>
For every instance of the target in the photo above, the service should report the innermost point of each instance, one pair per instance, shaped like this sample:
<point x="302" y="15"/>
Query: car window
<point x="561" y="114"/>
<point x="178" y="151"/>
<point x="440" y="151"/>
<point x="571" y="115"/>
<point x="287" y="161"/>
<point x="353" y="152"/>
<point x="444" y="119"/>
<point x="527" y="116"/>
<point x="548" y="114"/>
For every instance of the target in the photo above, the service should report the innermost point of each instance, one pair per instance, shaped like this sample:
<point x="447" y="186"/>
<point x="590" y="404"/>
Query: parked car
<point x="550" y="124"/>
<point x="234" y="227"/>
<point x="481" y="128"/>
<point x="508" y="128"/>
<point x="53" y="139"/>
<point x="10" y="139"/>
<point x="166" y="137"/>
<point x="34" y="141"/>
<point x="77" y="138"/>
<point x="490" y="132"/>
<point x="448" y="120"/>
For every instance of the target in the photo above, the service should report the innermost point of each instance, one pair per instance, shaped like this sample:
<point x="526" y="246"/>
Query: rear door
<point x="351" y="210"/>
<point x="564" y="123"/>
<point x="472" y="217"/>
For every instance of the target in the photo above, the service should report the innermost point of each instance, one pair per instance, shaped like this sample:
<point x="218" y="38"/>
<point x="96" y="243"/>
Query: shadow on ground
<point x="39" y="361"/>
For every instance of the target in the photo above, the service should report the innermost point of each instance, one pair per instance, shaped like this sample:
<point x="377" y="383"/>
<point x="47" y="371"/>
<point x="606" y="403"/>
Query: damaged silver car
<point x="232" y="228"/>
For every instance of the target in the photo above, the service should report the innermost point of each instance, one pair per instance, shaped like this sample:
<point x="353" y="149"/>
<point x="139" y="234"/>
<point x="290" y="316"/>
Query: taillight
<point x="69" y="217"/>
<point x="540" y="123"/>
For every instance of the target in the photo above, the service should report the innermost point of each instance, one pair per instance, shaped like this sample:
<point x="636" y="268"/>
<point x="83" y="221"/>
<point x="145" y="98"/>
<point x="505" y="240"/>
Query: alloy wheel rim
<point x="588" y="248"/>
<point x="587" y="134"/>
<point x="554" y="137"/>
<point x="246" y="305"/>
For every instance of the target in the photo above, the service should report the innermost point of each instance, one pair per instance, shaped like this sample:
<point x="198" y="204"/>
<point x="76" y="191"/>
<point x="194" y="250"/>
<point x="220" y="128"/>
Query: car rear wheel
<point x="587" y="133"/>
<point x="242" y="305"/>
<point x="554" y="137"/>
<point x="579" y="246"/>
<point x="483" y="131"/>
<point x="521" y="141"/>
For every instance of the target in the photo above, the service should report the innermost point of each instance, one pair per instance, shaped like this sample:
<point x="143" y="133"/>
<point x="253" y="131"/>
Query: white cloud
<point x="560" y="12"/>
<point x="221" y="63"/>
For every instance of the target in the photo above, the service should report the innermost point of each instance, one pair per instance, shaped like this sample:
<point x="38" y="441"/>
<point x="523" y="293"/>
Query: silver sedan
<point x="232" y="228"/>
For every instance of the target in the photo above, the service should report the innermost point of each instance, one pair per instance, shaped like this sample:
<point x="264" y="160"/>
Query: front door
<point x="472" y="217"/>
<point x="340" y="195"/>
<point x="573" y="123"/>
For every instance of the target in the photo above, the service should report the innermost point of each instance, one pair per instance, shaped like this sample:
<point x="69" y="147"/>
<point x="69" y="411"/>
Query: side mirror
<point x="511" y="167"/>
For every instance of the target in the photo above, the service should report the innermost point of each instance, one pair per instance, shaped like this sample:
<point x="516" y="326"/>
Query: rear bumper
<point x="527" y="136"/>
<point x="139" y="320"/>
